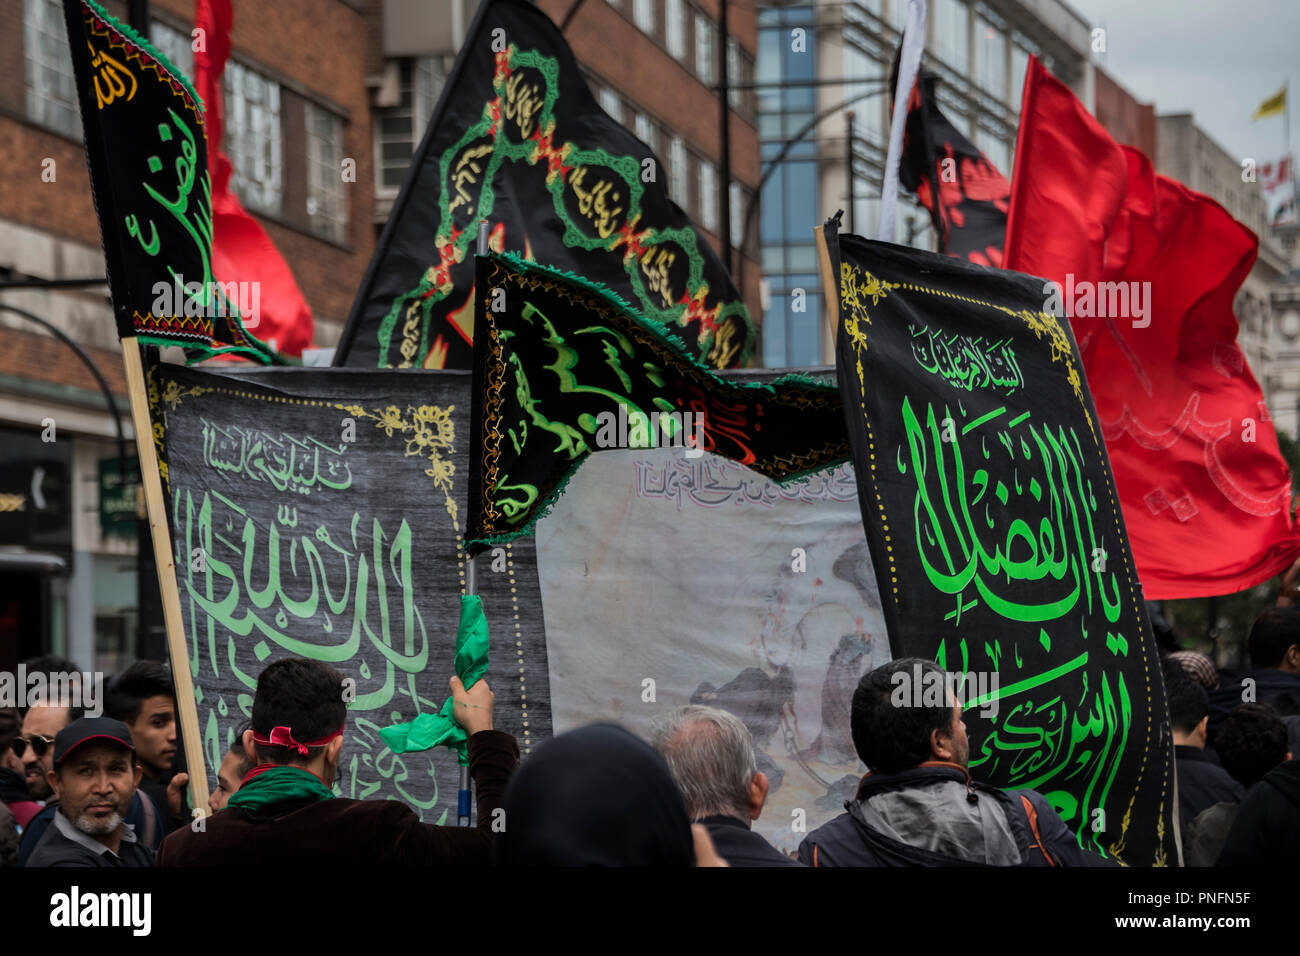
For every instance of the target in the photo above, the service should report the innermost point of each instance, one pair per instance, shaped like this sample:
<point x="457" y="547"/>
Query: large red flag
<point x="1147" y="270"/>
<point x="241" y="249"/>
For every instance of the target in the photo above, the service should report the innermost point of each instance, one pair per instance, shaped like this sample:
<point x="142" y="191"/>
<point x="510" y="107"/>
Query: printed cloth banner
<point x="966" y="195"/>
<point x="148" y="156"/>
<point x="564" y="368"/>
<point x="316" y="513"/>
<point x="518" y="139"/>
<point x="668" y="581"/>
<point x="997" y="537"/>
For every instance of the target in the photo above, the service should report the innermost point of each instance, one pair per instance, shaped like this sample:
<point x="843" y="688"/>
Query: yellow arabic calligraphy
<point x="111" y="72"/>
<point x="595" y="203"/>
<point x="523" y="103"/>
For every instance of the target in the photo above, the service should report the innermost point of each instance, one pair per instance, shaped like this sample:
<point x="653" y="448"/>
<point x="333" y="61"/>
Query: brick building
<point x="293" y="115"/>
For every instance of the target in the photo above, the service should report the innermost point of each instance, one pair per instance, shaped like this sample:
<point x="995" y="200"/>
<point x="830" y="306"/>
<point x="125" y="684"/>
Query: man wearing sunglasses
<point x="34" y="746"/>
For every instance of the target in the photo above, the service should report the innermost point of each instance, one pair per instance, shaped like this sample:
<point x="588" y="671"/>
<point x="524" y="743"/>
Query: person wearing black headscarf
<point x="595" y="796"/>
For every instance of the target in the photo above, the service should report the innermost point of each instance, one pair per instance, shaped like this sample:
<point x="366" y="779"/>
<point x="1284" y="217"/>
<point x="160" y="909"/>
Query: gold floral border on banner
<point x="170" y="395"/>
<point x="429" y="433"/>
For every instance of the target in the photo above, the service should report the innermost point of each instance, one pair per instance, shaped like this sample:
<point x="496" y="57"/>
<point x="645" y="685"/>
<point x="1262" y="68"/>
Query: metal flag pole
<point x="464" y="796"/>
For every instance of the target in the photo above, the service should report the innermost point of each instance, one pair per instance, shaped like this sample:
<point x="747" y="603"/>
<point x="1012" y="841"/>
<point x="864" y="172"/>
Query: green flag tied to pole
<point x="471" y="662"/>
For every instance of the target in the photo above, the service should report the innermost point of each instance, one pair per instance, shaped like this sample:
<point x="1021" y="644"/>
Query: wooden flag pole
<point x="830" y="288"/>
<point x="186" y="706"/>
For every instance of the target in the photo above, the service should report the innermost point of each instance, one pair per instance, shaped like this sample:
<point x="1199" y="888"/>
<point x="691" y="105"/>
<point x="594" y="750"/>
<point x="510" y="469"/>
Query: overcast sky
<point x="1217" y="58"/>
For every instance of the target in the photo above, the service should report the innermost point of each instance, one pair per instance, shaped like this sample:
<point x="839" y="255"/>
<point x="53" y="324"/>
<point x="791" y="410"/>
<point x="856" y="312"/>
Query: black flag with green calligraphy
<point x="564" y="368"/>
<point x="148" y="156"/>
<point x="997" y="537"/>
<point x="518" y="139"/>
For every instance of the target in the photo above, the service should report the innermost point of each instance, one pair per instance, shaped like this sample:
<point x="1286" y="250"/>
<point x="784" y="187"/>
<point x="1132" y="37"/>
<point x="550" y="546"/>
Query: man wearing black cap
<point x="94" y="777"/>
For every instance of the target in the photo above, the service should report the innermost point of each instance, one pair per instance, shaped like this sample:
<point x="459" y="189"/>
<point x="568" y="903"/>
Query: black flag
<point x="148" y="154"/>
<point x="997" y="536"/>
<point x="518" y="139"/>
<point x="966" y="195"/>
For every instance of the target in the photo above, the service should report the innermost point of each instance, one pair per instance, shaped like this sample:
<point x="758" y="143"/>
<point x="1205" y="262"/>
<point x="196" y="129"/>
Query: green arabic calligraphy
<point x="1005" y="517"/>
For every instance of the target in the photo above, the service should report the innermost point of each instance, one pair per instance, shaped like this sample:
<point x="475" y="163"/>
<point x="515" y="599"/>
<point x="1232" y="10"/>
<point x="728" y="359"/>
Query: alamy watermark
<point x="1100" y="300"/>
<point x="56" y="689"/>
<point x="212" y="300"/>
<point x="934" y="688"/>
<point x="636" y="429"/>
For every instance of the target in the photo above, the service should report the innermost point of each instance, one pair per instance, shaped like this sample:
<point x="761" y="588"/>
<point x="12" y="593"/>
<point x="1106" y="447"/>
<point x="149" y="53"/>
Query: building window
<point x="675" y="28"/>
<point x="994" y="149"/>
<point x="173" y="44"/>
<point x="677" y="174"/>
<point x="51" y="89"/>
<point x="898" y="14"/>
<point x="1019" y="66"/>
<point x="326" y="203"/>
<point x="611" y="104"/>
<point x="252" y="137"/>
<point x="708" y="196"/>
<point x="705" y="45"/>
<point x="733" y="73"/>
<point x="399" y="128"/>
<point x="869" y="116"/>
<point x="643" y="12"/>
<point x="952" y="34"/>
<point x="991" y="58"/>
<point x="645" y="130"/>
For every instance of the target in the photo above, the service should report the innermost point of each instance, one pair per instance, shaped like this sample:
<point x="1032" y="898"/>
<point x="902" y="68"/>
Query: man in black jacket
<point x="919" y="805"/>
<point x="95" y="775"/>
<point x="1201" y="782"/>
<point x="711" y="755"/>
<point x="1266" y="831"/>
<point x="1274" y="677"/>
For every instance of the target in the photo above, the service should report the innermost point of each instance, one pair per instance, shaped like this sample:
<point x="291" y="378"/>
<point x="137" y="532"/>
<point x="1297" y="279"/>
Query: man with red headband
<point x="285" y="812"/>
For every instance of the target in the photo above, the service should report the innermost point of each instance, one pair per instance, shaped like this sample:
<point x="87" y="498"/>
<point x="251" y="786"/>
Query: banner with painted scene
<point x="997" y="537"/>
<point x="146" y="146"/>
<point x="318" y="513"/>
<point x="518" y="139"/>
<point x="668" y="580"/>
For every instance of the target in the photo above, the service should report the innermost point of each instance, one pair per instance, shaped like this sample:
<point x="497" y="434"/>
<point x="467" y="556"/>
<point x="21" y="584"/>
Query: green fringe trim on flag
<point x="130" y="33"/>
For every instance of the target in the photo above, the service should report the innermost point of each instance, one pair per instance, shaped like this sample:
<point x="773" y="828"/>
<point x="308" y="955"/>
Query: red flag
<point x="241" y="249"/>
<point x="1147" y="270"/>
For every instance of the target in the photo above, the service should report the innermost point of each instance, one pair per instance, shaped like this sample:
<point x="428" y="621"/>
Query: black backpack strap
<point x="149" y="837"/>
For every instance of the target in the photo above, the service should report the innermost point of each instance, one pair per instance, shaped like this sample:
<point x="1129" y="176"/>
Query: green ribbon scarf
<point x="279" y="785"/>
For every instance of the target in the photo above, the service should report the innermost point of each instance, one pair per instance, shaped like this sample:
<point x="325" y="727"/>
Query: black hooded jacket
<point x="595" y="796"/>
<point x="1266" y="831"/>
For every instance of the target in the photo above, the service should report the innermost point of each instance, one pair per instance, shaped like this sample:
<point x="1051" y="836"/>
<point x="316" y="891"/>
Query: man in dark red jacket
<point x="285" y="813"/>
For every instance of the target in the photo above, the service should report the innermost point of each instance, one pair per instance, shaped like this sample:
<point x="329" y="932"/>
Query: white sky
<point x="1217" y="58"/>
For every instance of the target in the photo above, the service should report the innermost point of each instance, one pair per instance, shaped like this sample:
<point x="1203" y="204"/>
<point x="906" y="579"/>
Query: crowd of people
<point x="78" y="790"/>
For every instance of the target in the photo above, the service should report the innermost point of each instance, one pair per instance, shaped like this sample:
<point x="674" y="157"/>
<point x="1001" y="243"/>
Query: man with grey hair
<point x="711" y="755"/>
